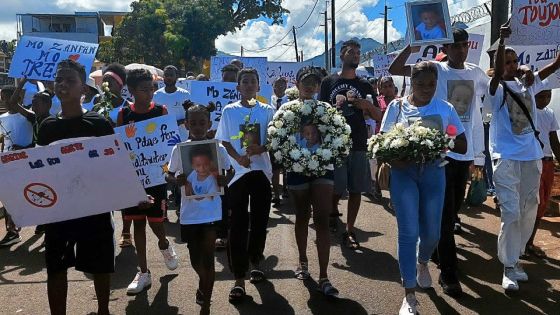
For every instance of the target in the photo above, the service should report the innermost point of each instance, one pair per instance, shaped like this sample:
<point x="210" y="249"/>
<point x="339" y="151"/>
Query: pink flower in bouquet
<point x="451" y="131"/>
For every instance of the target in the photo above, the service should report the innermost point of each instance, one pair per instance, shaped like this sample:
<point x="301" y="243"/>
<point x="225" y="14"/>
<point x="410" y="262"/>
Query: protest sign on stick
<point x="37" y="57"/>
<point x="381" y="64"/>
<point x="534" y="22"/>
<point x="149" y="143"/>
<point x="70" y="180"/>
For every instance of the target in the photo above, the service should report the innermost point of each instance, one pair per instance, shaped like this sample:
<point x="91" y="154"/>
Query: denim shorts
<point x="297" y="181"/>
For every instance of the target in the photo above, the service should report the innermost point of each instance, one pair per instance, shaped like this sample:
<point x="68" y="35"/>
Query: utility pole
<point x="241" y="51"/>
<point x="499" y="17"/>
<point x="327" y="56"/>
<point x="301" y="56"/>
<point x="295" y="43"/>
<point x="385" y="20"/>
<point x="333" y="35"/>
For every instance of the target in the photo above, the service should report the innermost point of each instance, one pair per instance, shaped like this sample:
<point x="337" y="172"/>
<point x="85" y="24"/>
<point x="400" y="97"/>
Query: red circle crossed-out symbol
<point x="40" y="195"/>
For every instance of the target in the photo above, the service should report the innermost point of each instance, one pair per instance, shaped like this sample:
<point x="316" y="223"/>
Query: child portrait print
<point x="201" y="165"/>
<point x="428" y="22"/>
<point x="519" y="122"/>
<point x="460" y="94"/>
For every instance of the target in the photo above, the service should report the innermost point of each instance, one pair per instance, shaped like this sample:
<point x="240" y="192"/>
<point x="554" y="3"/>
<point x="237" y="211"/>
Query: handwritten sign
<point x="534" y="22"/>
<point x="221" y="93"/>
<point x="184" y="84"/>
<point x="287" y="70"/>
<point x="218" y="62"/>
<point x="381" y="64"/>
<point x="68" y="180"/>
<point x="430" y="52"/>
<point x="37" y="57"/>
<point x="149" y="143"/>
<point x="537" y="57"/>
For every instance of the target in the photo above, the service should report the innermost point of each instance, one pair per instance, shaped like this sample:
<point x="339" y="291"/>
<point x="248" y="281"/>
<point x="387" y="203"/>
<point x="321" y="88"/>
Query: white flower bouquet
<point x="414" y="143"/>
<point x="292" y="93"/>
<point x="284" y="135"/>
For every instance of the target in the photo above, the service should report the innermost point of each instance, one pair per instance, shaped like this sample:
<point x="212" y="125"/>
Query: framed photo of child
<point x="428" y="22"/>
<point x="201" y="166"/>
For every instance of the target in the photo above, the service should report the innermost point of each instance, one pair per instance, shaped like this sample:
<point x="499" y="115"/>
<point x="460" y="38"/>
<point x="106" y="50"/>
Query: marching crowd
<point x="426" y="197"/>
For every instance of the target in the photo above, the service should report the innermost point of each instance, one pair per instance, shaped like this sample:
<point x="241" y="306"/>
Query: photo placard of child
<point x="428" y="22"/>
<point x="201" y="164"/>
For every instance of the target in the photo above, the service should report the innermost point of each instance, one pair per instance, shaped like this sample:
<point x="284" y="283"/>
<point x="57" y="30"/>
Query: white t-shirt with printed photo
<point x="546" y="123"/>
<point x="208" y="209"/>
<point x="511" y="135"/>
<point x="16" y="130"/>
<point x="173" y="101"/>
<point x="464" y="89"/>
<point x="231" y="123"/>
<point x="438" y="114"/>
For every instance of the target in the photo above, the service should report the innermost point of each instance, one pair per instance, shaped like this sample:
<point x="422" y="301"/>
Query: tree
<point x="8" y="47"/>
<point x="161" y="32"/>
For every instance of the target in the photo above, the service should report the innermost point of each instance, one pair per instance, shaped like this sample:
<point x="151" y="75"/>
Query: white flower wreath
<point x="284" y="139"/>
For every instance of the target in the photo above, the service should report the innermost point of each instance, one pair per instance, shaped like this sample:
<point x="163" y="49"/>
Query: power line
<point x="353" y="4"/>
<point x="285" y="51"/>
<point x="310" y="13"/>
<point x="342" y="7"/>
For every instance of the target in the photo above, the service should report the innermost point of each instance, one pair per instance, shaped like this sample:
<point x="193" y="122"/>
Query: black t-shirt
<point x="90" y="124"/>
<point x="334" y="85"/>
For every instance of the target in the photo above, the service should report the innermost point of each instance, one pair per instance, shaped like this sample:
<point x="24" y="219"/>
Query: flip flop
<point x="349" y="240"/>
<point x="327" y="288"/>
<point x="236" y="294"/>
<point x="256" y="276"/>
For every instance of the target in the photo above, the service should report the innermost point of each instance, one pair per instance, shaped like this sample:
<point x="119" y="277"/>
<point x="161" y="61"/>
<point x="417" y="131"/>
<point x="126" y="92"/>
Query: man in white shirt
<point x="172" y="96"/>
<point x="463" y="85"/>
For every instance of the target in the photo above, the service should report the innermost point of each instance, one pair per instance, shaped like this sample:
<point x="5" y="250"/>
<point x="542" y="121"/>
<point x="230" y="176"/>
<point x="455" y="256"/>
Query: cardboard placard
<point x="534" y="22"/>
<point x="218" y="62"/>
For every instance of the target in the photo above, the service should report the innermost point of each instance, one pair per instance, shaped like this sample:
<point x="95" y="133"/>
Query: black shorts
<point x="297" y="181"/>
<point x="190" y="233"/>
<point x="156" y="213"/>
<point x="88" y="244"/>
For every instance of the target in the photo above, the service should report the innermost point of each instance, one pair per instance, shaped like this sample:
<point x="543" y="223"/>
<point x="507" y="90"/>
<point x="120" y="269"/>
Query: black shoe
<point x="10" y="239"/>
<point x="450" y="286"/>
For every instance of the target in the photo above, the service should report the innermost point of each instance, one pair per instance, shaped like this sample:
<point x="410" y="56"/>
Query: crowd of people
<point x="426" y="197"/>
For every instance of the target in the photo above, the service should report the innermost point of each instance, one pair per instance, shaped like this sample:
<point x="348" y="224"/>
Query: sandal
<point x="535" y="251"/>
<point x="125" y="240"/>
<point x="302" y="271"/>
<point x="221" y="243"/>
<point x="327" y="288"/>
<point x="256" y="276"/>
<point x="349" y="240"/>
<point x="236" y="294"/>
<point x="199" y="297"/>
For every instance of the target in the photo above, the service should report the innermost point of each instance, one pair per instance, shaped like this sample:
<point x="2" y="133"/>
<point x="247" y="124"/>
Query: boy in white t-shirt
<point x="200" y="216"/>
<point x="251" y="181"/>
<point x="172" y="96"/>
<point x="517" y="153"/>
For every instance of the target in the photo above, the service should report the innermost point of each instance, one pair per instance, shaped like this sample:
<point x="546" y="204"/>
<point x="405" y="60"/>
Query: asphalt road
<point x="368" y="280"/>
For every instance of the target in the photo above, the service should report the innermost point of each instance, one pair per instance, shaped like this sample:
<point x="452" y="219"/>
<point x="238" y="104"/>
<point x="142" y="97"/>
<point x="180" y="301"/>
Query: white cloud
<point x="351" y="22"/>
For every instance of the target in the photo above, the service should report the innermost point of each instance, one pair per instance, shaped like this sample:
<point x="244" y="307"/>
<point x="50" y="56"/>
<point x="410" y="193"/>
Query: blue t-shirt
<point x="438" y="114"/>
<point x="435" y="33"/>
<point x="302" y="142"/>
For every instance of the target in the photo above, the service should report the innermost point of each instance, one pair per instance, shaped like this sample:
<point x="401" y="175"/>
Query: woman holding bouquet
<point x="312" y="191"/>
<point x="418" y="185"/>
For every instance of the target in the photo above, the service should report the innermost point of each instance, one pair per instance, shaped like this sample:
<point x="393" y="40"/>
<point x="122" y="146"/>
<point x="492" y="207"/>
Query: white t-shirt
<point x="173" y="101"/>
<point x="511" y="135"/>
<point x="16" y="130"/>
<point x="546" y="123"/>
<point x="275" y="103"/>
<point x="232" y="121"/>
<point x="208" y="209"/>
<point x="464" y="89"/>
<point x="30" y="90"/>
<point x="438" y="114"/>
<point x="435" y="33"/>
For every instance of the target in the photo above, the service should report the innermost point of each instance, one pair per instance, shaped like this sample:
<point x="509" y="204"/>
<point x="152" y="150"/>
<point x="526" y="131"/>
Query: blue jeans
<point x="417" y="194"/>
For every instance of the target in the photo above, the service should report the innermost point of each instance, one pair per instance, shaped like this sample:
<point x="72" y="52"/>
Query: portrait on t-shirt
<point x="251" y="134"/>
<point x="428" y="121"/>
<point x="460" y="93"/>
<point x="201" y="166"/>
<point x="429" y="22"/>
<point x="520" y="124"/>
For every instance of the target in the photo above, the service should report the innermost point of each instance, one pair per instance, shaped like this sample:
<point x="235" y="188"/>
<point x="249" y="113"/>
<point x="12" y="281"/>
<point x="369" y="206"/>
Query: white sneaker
<point x="140" y="282"/>
<point x="520" y="274"/>
<point x="170" y="257"/>
<point x="423" y="276"/>
<point x="409" y="304"/>
<point x="509" y="280"/>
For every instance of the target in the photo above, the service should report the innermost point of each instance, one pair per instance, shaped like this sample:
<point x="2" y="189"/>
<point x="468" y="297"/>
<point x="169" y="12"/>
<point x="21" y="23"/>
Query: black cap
<point x="306" y="72"/>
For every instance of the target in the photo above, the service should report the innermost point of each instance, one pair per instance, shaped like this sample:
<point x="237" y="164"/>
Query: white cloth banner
<point x="218" y="62"/>
<point x="537" y="57"/>
<point x="430" y="52"/>
<point x="75" y="179"/>
<point x="534" y="22"/>
<point x="37" y="57"/>
<point x="221" y="93"/>
<point x="287" y="70"/>
<point x="149" y="143"/>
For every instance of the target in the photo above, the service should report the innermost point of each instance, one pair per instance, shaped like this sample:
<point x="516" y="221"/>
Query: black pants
<point x="223" y="225"/>
<point x="247" y="233"/>
<point x="456" y="175"/>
